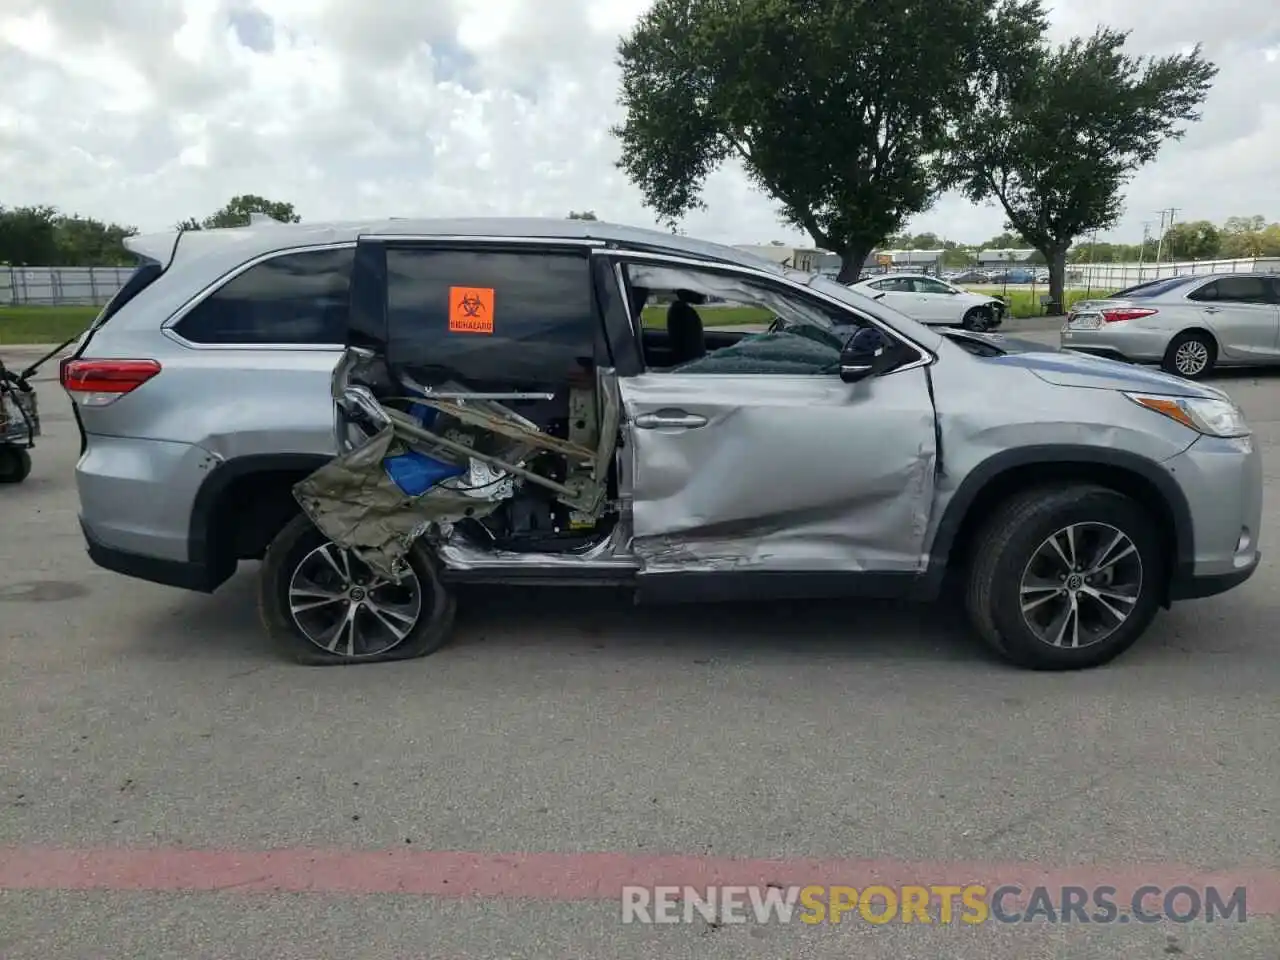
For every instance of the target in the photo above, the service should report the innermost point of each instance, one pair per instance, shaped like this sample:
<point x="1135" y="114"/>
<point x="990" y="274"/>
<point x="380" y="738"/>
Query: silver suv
<point x="386" y="411"/>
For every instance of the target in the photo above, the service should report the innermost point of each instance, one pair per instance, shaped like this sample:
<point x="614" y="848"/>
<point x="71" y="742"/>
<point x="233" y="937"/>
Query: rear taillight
<point x="1116" y="314"/>
<point x="95" y="383"/>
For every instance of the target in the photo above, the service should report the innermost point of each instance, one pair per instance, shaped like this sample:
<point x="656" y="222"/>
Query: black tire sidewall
<point x="15" y="463"/>
<point x="299" y="537"/>
<point x="1170" y="363"/>
<point x="1093" y="506"/>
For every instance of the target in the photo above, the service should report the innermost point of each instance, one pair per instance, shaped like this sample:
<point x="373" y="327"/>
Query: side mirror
<point x="868" y="353"/>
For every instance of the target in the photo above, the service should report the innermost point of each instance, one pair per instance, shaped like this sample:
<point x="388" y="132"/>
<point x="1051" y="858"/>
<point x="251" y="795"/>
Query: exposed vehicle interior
<point x="678" y="308"/>
<point x="527" y="467"/>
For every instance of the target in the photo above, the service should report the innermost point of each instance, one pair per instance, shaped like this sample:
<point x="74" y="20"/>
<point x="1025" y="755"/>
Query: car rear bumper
<point x="1118" y="341"/>
<point x="169" y="573"/>
<point x="136" y="495"/>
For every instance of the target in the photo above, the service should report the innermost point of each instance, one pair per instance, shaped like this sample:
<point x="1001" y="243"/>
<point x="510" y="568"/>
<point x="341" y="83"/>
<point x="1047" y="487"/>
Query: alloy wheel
<point x="1191" y="358"/>
<point x="338" y="603"/>
<point x="1081" y="584"/>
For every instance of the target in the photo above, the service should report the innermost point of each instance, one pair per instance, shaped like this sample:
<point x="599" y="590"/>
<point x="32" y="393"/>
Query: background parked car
<point x="1188" y="324"/>
<point x="930" y="300"/>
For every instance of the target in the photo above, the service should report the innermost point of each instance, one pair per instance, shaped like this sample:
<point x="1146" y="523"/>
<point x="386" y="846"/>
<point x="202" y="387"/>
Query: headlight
<point x="1215" y="418"/>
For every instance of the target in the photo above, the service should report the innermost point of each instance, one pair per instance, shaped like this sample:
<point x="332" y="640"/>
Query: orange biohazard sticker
<point x="471" y="310"/>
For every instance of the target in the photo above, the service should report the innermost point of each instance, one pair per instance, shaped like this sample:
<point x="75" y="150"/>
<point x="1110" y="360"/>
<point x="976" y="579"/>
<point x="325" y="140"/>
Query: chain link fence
<point x="60" y="286"/>
<point x="1117" y="276"/>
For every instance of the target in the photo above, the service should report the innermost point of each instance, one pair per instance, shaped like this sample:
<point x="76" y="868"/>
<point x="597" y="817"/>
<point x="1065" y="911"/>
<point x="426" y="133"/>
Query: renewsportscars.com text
<point x="973" y="904"/>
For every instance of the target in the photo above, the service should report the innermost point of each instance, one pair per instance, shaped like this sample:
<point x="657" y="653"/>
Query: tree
<point x="1249" y="237"/>
<point x="835" y="108"/>
<point x="1058" y="132"/>
<point x="236" y="212"/>
<point x="583" y="215"/>
<point x="28" y="236"/>
<point x="1196" y="240"/>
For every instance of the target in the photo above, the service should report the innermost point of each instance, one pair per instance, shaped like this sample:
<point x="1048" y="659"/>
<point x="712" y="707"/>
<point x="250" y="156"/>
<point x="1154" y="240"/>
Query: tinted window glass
<point x="1152" y="288"/>
<point x="930" y="286"/>
<point x="897" y="285"/>
<point x="1236" y="290"/>
<point x="509" y="320"/>
<point x="294" y="298"/>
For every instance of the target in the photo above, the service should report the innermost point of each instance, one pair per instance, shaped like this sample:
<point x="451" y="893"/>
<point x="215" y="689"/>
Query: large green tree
<point x="237" y="211"/>
<point x="1195" y="240"/>
<point x="1059" y="131"/>
<point x="42" y="236"/>
<point x="836" y="108"/>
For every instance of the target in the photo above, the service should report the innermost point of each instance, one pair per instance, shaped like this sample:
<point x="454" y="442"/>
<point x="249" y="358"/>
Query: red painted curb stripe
<point x="559" y="876"/>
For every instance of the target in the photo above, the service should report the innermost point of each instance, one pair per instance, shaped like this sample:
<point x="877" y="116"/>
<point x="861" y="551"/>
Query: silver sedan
<point x="1189" y="324"/>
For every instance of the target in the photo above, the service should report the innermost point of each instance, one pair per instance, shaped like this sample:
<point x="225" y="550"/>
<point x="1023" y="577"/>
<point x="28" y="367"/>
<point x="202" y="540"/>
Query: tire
<point x="15" y="463"/>
<point x="294" y="552"/>
<point x="1009" y="548"/>
<point x="1184" y="347"/>
<point x="976" y="319"/>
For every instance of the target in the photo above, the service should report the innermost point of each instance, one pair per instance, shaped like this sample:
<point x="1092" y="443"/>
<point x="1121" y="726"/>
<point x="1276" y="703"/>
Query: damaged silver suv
<point x="552" y="403"/>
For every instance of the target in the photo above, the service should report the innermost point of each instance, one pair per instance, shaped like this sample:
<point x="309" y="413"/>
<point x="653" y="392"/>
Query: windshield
<point x="859" y="300"/>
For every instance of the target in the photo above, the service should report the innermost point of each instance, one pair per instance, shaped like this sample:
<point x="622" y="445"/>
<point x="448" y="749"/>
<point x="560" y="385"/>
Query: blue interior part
<point x="416" y="473"/>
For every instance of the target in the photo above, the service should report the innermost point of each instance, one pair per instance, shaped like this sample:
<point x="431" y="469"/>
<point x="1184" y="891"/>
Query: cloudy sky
<point x="149" y="111"/>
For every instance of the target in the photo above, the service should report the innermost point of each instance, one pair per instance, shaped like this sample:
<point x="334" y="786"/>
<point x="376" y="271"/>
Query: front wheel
<point x="15" y="463"/>
<point x="978" y="319"/>
<point x="1066" y="577"/>
<point x="323" y="606"/>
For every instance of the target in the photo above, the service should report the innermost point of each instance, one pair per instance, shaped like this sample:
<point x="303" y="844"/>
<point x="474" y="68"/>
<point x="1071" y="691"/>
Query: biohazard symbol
<point x="470" y="310"/>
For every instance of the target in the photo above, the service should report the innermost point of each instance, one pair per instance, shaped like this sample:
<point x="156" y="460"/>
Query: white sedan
<point x="934" y="301"/>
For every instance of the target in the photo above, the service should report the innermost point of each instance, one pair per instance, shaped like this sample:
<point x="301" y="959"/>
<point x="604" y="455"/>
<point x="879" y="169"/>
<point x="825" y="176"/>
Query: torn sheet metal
<point x="472" y="455"/>
<point x="354" y="502"/>
<point x="788" y="474"/>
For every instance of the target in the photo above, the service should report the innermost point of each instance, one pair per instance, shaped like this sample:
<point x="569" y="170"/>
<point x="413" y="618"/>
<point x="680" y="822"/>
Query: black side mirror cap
<point x="868" y="353"/>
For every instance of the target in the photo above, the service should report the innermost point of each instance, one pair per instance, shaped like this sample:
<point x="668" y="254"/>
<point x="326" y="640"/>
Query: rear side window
<point x="295" y="298"/>
<point x="515" y="320"/>
<point x="1236" y="290"/>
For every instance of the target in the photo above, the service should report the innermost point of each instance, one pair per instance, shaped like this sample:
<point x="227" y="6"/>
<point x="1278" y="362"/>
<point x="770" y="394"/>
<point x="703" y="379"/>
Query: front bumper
<point x="1222" y="481"/>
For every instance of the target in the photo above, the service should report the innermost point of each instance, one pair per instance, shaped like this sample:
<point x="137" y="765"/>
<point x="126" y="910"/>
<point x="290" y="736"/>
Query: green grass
<point x="1024" y="304"/>
<point x="43" y="324"/>
<point x="712" y="316"/>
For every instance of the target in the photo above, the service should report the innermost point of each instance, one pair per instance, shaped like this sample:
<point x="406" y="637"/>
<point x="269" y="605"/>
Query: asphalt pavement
<point x="169" y="787"/>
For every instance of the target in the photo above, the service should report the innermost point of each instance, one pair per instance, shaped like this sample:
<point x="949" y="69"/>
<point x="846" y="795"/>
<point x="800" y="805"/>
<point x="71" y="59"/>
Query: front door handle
<point x="1212" y="309"/>
<point x="669" y="418"/>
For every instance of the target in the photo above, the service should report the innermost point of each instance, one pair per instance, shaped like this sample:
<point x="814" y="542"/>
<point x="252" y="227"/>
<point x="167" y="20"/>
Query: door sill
<point x="746" y="586"/>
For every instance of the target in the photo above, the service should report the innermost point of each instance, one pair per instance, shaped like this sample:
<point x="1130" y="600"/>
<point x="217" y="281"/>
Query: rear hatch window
<point x="147" y="272"/>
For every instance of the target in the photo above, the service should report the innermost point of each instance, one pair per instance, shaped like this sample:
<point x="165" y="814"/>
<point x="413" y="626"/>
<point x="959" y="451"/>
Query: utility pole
<point x="1142" y="250"/>
<point x="1170" y="212"/>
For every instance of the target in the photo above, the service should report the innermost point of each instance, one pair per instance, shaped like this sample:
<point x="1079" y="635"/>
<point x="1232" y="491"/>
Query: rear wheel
<point x="1065" y="578"/>
<point x="1190" y="355"/>
<point x="323" y="606"/>
<point x="15" y="463"/>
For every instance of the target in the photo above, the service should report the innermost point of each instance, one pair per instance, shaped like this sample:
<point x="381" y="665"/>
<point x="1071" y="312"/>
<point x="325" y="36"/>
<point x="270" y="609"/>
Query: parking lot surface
<point x="171" y="788"/>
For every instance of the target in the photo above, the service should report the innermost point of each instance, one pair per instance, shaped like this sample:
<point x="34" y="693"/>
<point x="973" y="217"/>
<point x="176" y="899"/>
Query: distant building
<point x="797" y="258"/>
<point x="990" y="258"/>
<point x="813" y="260"/>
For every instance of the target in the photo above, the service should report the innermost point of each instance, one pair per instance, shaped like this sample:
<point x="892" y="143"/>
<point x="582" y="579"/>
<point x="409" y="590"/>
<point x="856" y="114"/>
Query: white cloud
<point x="150" y="111"/>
